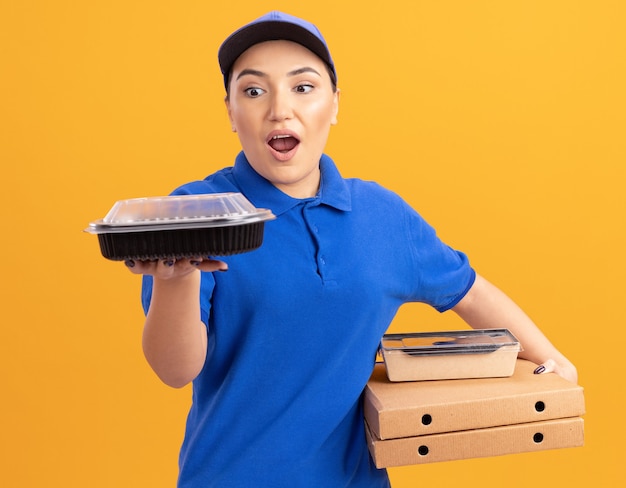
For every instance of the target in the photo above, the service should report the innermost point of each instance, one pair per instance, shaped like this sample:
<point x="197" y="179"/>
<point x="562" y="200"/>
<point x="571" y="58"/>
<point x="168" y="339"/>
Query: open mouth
<point x="283" y="143"/>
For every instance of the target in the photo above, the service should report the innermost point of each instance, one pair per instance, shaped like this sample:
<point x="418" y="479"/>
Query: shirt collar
<point x="333" y="189"/>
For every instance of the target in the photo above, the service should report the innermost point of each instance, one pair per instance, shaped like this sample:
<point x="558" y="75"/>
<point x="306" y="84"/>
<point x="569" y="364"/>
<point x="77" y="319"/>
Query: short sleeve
<point x="443" y="274"/>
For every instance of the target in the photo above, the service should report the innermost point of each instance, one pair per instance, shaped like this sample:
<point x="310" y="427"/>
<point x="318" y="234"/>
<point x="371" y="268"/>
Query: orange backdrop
<point x="501" y="122"/>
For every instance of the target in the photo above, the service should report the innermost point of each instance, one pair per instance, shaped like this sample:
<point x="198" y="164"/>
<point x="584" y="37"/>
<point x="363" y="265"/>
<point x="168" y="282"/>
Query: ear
<point x="333" y="121"/>
<point x="230" y="115"/>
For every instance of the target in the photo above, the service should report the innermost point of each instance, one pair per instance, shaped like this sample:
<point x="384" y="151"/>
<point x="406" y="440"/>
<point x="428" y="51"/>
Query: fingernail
<point x="540" y="369"/>
<point x="130" y="263"/>
<point x="169" y="263"/>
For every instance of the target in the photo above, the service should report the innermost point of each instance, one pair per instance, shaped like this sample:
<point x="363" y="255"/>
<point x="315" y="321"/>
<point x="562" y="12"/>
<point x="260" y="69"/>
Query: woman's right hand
<point x="166" y="269"/>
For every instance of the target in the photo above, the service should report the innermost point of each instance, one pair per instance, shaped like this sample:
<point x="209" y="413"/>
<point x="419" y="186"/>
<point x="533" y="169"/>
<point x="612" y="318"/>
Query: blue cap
<point x="273" y="26"/>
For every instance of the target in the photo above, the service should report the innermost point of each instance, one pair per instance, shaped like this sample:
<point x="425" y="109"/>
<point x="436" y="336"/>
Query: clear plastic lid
<point x="181" y="211"/>
<point x="449" y="342"/>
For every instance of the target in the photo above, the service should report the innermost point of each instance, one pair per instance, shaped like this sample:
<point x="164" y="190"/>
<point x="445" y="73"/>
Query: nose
<point x="280" y="106"/>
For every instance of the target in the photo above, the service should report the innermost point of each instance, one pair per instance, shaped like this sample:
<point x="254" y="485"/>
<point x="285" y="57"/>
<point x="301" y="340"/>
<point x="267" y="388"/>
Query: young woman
<point x="280" y="342"/>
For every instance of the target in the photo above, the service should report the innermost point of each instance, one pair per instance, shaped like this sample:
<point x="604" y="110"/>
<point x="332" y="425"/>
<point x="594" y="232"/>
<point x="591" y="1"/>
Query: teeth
<point x="281" y="136"/>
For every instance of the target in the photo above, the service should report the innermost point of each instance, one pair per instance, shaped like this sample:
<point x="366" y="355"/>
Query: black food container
<point x="185" y="226"/>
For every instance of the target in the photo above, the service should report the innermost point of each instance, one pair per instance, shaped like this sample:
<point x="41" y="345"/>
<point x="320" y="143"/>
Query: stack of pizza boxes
<point x="443" y="396"/>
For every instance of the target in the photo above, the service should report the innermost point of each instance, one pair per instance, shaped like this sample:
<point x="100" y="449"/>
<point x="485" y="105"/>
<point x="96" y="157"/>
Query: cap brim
<point x="246" y="37"/>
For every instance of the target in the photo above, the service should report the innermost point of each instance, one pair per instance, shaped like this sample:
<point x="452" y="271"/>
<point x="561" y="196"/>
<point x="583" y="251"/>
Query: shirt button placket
<point x="314" y="229"/>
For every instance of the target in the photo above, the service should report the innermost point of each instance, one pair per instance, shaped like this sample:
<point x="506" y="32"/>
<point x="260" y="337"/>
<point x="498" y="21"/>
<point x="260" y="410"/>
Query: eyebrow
<point x="295" y="72"/>
<point x="252" y="72"/>
<point x="306" y="69"/>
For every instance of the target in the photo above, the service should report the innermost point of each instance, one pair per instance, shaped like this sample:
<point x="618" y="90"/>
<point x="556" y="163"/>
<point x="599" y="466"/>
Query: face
<point x="282" y="105"/>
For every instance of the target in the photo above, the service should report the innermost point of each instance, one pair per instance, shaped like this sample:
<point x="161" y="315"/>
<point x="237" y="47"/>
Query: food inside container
<point x="471" y="353"/>
<point x="180" y="226"/>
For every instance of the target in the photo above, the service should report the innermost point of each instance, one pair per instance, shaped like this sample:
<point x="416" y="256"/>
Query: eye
<point x="254" y="92"/>
<point x="304" y="88"/>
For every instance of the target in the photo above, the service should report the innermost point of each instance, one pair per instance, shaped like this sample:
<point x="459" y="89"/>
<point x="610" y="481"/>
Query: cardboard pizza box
<point x="416" y="408"/>
<point x="493" y="441"/>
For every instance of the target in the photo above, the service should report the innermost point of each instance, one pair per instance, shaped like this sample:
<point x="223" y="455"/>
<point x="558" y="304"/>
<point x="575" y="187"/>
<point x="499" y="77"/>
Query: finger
<point x="165" y="268"/>
<point x="141" y="267"/>
<point x="547" y="367"/>
<point x="208" y="264"/>
<point x="162" y="268"/>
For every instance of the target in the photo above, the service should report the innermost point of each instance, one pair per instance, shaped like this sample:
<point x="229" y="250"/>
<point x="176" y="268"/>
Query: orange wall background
<point x="503" y="123"/>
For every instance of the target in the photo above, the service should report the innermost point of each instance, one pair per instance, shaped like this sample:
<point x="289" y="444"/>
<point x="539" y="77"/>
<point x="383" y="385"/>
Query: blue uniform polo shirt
<point x="294" y="327"/>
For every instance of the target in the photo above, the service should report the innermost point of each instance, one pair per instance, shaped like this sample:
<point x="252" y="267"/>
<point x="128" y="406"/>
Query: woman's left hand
<point x="564" y="369"/>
